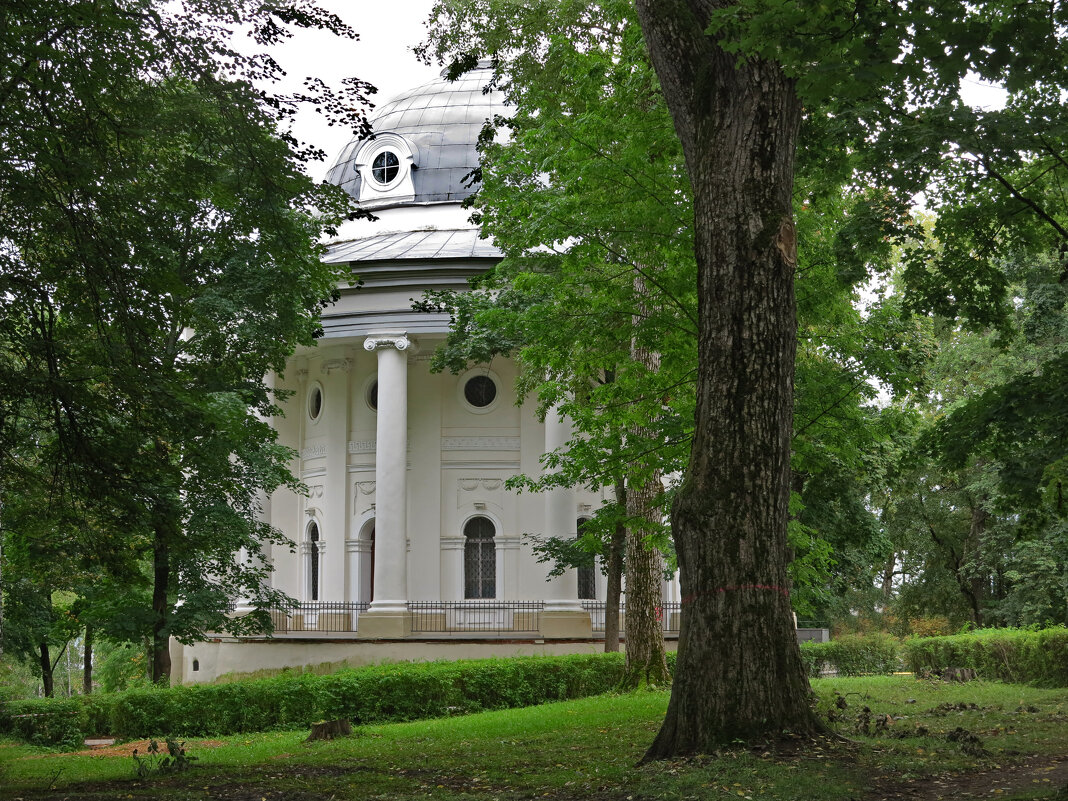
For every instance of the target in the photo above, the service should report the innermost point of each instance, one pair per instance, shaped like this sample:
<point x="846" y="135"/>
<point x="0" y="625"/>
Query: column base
<point x="561" y="625"/>
<point x="384" y="625"/>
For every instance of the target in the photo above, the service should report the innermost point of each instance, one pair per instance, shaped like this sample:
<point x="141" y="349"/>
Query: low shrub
<point x="48" y="721"/>
<point x="852" y="655"/>
<point x="378" y="694"/>
<point x="1014" y="655"/>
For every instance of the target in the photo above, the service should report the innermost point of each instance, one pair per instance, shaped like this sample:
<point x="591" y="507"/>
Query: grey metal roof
<point x="458" y="243"/>
<point x="442" y="120"/>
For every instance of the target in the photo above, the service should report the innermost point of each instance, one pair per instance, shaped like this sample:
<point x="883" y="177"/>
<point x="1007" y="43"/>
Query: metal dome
<point x="430" y="134"/>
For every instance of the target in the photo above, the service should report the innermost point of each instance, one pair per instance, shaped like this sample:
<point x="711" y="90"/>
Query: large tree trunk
<point x="45" y="661"/>
<point x="161" y="573"/>
<point x="614" y="585"/>
<point x="87" y="662"/>
<point x="739" y="674"/>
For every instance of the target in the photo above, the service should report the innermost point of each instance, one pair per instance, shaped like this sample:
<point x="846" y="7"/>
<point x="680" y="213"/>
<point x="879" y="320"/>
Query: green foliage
<point x="1017" y="655"/>
<point x="57" y="722"/>
<point x="161" y="257"/>
<point x="119" y="666"/>
<point x="853" y="655"/>
<point x="154" y="761"/>
<point x="404" y="691"/>
<point x="593" y="166"/>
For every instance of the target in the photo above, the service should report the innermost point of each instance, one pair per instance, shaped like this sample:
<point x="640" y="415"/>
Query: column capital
<point x="400" y="341"/>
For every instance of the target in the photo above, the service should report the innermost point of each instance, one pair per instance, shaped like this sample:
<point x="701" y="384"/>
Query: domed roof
<point x="423" y="145"/>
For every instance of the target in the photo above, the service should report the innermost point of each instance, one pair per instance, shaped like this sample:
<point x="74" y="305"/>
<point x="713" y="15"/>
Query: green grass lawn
<point x="589" y="749"/>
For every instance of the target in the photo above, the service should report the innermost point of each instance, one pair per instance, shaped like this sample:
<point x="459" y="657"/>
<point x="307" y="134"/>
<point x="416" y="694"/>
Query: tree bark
<point x="161" y="573"/>
<point x="976" y="588"/>
<point x="739" y="674"/>
<point x="646" y="662"/>
<point x="87" y="662"/>
<point x="46" y="670"/>
<point x="614" y="585"/>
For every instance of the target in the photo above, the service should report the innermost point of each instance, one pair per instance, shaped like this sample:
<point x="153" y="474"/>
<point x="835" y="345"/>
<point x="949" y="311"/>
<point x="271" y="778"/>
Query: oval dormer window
<point x="385" y="167"/>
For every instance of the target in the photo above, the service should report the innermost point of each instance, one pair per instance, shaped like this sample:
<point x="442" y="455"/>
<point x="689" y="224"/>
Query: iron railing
<point x="668" y="613"/>
<point x="318" y="616"/>
<point x="475" y="616"/>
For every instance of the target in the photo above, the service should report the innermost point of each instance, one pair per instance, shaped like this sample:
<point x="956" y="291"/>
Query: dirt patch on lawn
<point x="1038" y="773"/>
<point x="127" y="749"/>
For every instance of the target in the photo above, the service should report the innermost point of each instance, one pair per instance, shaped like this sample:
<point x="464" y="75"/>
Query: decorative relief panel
<point x="471" y="484"/>
<point x="313" y="452"/>
<point x="329" y="365"/>
<point x="315" y="491"/>
<point x="365" y="487"/>
<point x="480" y="443"/>
<point x="362" y="446"/>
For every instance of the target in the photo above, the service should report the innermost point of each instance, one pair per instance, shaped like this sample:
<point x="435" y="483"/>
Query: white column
<point x="391" y="465"/>
<point x="561" y="592"/>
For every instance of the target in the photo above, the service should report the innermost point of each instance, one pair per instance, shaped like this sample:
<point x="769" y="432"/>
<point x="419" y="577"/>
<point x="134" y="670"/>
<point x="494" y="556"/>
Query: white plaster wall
<point x="218" y="658"/>
<point x="424" y="484"/>
<point x="447" y="482"/>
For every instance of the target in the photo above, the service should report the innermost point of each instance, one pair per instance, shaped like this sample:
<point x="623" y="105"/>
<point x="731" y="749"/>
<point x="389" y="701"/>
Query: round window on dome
<point x="385" y="167"/>
<point x="480" y="391"/>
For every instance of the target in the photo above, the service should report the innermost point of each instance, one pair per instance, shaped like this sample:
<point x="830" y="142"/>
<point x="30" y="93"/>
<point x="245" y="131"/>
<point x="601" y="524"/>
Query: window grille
<point x="313" y="562"/>
<point x="587" y="574"/>
<point x="480" y="559"/>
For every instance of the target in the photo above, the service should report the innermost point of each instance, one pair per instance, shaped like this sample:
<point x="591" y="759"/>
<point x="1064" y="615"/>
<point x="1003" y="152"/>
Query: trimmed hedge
<point x="1013" y="655"/>
<point x="378" y="694"/>
<point x="852" y="655"/>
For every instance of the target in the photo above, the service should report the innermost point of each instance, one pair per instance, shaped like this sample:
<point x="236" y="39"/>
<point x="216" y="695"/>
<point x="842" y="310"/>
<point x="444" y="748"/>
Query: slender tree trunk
<point x="646" y="662"/>
<point x="645" y="600"/>
<point x="161" y="572"/>
<point x="976" y="588"/>
<point x="614" y="585"/>
<point x="739" y="674"/>
<point x="87" y="662"/>
<point x="46" y="671"/>
<point x="888" y="577"/>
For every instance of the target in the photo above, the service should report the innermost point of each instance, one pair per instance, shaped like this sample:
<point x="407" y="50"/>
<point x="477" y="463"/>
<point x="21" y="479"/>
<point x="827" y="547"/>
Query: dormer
<point x="385" y="165"/>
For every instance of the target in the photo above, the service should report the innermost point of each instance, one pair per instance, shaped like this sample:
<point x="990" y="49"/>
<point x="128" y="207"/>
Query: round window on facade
<point x="372" y="396"/>
<point x="480" y="391"/>
<point x="315" y="402"/>
<point x="385" y="167"/>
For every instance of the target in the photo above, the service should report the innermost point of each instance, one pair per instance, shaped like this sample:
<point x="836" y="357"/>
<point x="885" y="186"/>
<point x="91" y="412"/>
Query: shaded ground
<point x="896" y="739"/>
<point x="125" y="749"/>
<point x="1040" y="775"/>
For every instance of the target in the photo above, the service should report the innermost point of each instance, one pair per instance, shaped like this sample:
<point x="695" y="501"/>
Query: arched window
<point x="313" y="561"/>
<point x="480" y="559"/>
<point x="587" y="574"/>
<point x="367" y="564"/>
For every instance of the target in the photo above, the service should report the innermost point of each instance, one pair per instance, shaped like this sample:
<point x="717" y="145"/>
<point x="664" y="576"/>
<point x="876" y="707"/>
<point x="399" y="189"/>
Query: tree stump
<point x="958" y="674"/>
<point x="329" y="729"/>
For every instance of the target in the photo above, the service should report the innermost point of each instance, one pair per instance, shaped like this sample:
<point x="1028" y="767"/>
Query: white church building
<point x="408" y="543"/>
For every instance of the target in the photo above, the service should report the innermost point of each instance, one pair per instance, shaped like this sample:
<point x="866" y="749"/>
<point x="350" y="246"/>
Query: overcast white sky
<point x="388" y="30"/>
